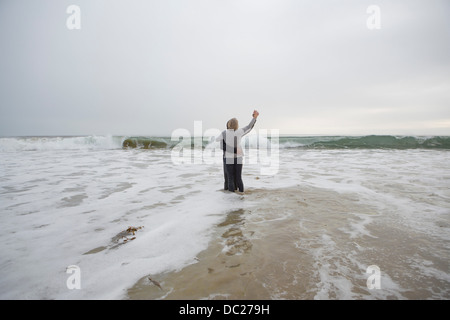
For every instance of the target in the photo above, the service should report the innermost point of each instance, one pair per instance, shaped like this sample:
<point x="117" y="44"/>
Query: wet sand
<point x="305" y="243"/>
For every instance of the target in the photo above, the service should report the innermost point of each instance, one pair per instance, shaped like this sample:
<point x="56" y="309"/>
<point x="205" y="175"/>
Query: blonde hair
<point x="232" y="124"/>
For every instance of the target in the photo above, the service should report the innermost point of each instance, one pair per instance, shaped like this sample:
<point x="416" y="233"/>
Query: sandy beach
<point x="310" y="230"/>
<point x="298" y="243"/>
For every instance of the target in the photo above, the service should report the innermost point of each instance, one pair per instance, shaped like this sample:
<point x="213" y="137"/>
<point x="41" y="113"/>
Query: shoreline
<point x="310" y="232"/>
<point x="318" y="246"/>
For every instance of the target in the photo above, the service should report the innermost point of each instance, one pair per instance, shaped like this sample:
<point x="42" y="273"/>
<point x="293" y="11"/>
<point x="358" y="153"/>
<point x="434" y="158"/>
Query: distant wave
<point x="250" y="141"/>
<point x="366" y="142"/>
<point x="148" y="142"/>
<point x="60" y="143"/>
<point x="311" y="142"/>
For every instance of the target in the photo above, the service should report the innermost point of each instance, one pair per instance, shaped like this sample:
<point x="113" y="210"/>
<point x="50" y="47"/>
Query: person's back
<point x="233" y="153"/>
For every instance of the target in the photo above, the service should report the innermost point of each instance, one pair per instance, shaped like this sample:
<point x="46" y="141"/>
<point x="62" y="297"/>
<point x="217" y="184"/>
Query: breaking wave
<point x="250" y="141"/>
<point x="59" y="143"/>
<point x="366" y="142"/>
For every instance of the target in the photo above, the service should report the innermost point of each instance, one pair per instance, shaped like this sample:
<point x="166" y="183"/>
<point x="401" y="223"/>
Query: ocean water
<point x="308" y="229"/>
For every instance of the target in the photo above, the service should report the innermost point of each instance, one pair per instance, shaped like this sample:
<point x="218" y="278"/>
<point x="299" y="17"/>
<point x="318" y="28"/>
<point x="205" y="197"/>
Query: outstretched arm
<point x="250" y="126"/>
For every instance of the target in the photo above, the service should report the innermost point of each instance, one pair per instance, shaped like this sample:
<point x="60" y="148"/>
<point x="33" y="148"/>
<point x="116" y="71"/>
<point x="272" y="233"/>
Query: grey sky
<point x="149" y="67"/>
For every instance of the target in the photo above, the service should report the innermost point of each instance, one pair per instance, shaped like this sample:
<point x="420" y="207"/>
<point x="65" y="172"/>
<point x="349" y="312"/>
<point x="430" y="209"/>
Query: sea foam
<point x="66" y="201"/>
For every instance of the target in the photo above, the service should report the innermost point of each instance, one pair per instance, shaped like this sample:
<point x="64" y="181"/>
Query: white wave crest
<point x="60" y="143"/>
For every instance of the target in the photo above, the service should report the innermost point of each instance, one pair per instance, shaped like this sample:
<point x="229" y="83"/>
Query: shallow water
<point x="307" y="232"/>
<point x="318" y="247"/>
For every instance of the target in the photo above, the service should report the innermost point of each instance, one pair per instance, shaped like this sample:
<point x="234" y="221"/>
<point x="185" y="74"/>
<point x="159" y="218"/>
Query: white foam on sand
<point x="405" y="192"/>
<point x="67" y="208"/>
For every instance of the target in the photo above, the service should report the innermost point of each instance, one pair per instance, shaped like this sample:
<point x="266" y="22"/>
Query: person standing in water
<point x="232" y="152"/>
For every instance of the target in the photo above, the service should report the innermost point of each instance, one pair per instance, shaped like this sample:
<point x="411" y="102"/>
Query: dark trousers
<point x="233" y="175"/>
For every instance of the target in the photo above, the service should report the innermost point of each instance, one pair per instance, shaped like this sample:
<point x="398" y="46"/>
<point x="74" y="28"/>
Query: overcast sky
<point x="149" y="67"/>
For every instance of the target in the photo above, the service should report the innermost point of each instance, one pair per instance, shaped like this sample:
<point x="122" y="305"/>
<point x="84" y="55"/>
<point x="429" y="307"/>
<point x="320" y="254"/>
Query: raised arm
<point x="250" y="126"/>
